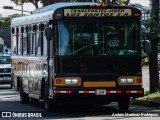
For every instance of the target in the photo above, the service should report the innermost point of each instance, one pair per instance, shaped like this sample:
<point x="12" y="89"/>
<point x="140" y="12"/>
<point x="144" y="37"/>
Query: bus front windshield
<point x="97" y="38"/>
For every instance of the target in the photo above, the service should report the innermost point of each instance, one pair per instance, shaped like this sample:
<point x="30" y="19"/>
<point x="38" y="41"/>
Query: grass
<point x="155" y="97"/>
<point x="149" y="99"/>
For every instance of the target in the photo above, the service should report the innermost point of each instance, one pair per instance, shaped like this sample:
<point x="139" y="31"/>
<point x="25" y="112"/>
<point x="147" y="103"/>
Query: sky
<point x="30" y="7"/>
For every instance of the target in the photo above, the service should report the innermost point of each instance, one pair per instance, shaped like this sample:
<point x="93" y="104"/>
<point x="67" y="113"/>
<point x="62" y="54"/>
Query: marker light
<point x="98" y="5"/>
<point x="91" y="5"/>
<point x="104" y="5"/>
<point x="137" y="15"/>
<point x="59" y="15"/>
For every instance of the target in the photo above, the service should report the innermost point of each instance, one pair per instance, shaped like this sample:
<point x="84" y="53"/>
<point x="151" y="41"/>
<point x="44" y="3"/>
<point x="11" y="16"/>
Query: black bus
<point x="78" y="52"/>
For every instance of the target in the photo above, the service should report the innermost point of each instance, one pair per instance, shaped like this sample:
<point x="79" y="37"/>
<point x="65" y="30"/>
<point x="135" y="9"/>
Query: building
<point x="1" y="15"/>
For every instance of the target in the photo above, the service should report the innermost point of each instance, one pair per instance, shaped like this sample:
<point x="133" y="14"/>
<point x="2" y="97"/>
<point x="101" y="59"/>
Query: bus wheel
<point x="23" y="96"/>
<point x="34" y="101"/>
<point x="47" y="101"/>
<point x="123" y="104"/>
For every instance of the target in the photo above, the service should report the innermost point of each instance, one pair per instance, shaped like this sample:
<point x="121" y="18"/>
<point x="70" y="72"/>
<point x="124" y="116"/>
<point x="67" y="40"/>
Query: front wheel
<point x="123" y="104"/>
<point x="34" y="101"/>
<point x="24" y="98"/>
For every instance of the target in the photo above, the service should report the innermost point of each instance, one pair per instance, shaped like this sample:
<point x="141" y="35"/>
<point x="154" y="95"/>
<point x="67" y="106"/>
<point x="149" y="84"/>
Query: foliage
<point x="48" y="2"/>
<point x="121" y="2"/>
<point x="151" y="29"/>
<point x="5" y="29"/>
<point x="20" y="2"/>
<point x="149" y="100"/>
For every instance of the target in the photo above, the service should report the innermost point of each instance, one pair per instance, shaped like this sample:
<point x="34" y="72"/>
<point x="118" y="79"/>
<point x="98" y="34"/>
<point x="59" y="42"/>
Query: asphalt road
<point x="9" y="102"/>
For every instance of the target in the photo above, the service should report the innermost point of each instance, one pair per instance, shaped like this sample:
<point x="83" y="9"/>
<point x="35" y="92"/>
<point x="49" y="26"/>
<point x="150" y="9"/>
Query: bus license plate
<point x="100" y="92"/>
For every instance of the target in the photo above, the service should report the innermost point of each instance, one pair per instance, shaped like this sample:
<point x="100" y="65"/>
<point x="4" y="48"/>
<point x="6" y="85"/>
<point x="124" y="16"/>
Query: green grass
<point x="155" y="97"/>
<point x="149" y="99"/>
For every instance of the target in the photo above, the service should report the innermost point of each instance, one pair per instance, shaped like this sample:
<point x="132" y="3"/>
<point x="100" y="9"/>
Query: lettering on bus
<point x="96" y="12"/>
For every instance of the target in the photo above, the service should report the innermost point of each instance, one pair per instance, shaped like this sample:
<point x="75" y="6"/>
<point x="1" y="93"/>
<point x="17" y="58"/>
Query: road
<point x="9" y="102"/>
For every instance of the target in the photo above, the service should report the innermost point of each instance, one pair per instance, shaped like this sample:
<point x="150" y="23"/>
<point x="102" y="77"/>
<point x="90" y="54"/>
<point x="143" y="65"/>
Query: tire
<point x="123" y="104"/>
<point x="47" y="101"/>
<point x="23" y="96"/>
<point x="34" y="101"/>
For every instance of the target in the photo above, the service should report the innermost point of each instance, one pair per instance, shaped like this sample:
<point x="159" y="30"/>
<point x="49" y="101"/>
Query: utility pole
<point x="11" y="8"/>
<point x="22" y="9"/>
<point x="153" y="69"/>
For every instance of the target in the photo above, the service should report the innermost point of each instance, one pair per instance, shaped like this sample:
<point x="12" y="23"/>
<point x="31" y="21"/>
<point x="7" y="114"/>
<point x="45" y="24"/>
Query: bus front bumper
<point x="99" y="92"/>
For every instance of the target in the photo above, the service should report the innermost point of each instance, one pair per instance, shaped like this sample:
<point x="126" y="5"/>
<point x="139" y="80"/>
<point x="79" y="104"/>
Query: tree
<point x="153" y="69"/>
<point x="121" y="2"/>
<point x="5" y="29"/>
<point x="20" y="2"/>
<point x="48" y="2"/>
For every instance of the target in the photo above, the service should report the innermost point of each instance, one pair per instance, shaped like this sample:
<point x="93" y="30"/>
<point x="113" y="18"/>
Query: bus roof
<point x="44" y="14"/>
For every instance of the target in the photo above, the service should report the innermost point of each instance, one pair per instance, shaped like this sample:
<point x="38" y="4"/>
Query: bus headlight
<point x="129" y="80"/>
<point x="71" y="81"/>
<point x="67" y="81"/>
<point x="126" y="80"/>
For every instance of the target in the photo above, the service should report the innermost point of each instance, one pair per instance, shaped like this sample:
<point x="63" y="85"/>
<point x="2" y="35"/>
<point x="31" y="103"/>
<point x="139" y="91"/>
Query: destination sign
<point x="96" y="12"/>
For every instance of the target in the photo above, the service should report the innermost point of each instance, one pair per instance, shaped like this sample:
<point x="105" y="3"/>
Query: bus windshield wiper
<point x="81" y="49"/>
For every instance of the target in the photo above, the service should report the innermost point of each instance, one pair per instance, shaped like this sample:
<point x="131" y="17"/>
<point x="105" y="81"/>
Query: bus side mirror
<point x="49" y="33"/>
<point x="147" y="46"/>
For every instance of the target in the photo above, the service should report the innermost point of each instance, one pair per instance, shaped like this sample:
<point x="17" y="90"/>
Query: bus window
<point x="41" y="29"/>
<point x="24" y="41"/>
<point x="28" y="39"/>
<point x="14" y="43"/>
<point x="118" y="39"/>
<point x="19" y="41"/>
<point x="32" y="42"/>
<point x="38" y="41"/>
<point x="44" y="41"/>
<point x="97" y="38"/>
<point x="77" y="38"/>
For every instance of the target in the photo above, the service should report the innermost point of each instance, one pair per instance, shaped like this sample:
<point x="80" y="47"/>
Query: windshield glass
<point x="97" y="38"/>
<point x="5" y="60"/>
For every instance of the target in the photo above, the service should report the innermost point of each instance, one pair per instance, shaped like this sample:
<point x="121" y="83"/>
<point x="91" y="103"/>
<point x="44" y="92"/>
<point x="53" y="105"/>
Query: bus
<point x="78" y="52"/>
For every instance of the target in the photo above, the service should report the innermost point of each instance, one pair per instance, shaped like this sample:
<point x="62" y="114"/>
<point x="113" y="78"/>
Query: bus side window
<point x="39" y="46"/>
<point x="14" y="41"/>
<point x="32" y="42"/>
<point x="38" y="41"/>
<point x="28" y="39"/>
<point x="19" y="41"/>
<point x="24" y="41"/>
<point x="44" y="43"/>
